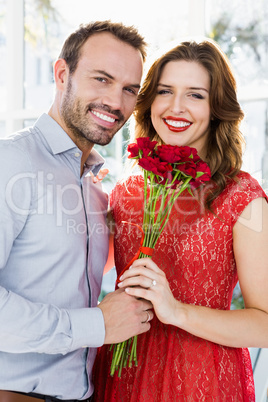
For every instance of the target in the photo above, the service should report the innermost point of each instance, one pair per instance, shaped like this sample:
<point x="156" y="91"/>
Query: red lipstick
<point x="176" y="124"/>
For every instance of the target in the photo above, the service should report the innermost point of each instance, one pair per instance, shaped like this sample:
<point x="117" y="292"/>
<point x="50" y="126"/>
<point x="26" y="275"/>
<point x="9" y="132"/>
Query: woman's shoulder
<point x="245" y="183"/>
<point x="238" y="193"/>
<point x="242" y="188"/>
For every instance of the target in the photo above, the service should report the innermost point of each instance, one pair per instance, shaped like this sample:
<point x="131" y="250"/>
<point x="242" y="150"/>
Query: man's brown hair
<point x="71" y="49"/>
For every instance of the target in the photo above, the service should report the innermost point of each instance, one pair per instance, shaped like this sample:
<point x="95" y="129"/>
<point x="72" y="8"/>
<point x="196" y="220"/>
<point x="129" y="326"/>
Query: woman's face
<point x="180" y="112"/>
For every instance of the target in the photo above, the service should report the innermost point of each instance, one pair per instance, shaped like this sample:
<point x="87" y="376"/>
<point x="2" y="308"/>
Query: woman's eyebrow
<point x="192" y="88"/>
<point x="198" y="89"/>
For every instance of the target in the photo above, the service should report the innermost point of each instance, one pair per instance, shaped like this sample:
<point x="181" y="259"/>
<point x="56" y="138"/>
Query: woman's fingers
<point x="139" y="280"/>
<point x="148" y="263"/>
<point x="143" y="273"/>
<point x="100" y="176"/>
<point x="143" y="267"/>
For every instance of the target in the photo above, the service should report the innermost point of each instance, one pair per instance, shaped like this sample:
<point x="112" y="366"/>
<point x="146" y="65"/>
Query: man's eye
<point x="131" y="91"/>
<point x="101" y="79"/>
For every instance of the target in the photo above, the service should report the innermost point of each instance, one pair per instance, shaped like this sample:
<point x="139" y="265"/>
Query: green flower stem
<point x="145" y="195"/>
<point x="118" y="349"/>
<point x="171" y="203"/>
<point x="164" y="214"/>
<point x="133" y="354"/>
<point x="166" y="189"/>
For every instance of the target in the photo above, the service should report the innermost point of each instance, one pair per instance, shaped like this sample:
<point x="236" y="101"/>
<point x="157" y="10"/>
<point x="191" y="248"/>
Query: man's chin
<point x="102" y="141"/>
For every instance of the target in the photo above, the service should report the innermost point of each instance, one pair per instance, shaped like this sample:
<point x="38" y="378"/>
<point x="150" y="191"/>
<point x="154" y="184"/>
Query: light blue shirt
<point x="53" y="247"/>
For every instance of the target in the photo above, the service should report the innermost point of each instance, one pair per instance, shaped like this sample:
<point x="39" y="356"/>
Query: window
<point x="241" y="28"/>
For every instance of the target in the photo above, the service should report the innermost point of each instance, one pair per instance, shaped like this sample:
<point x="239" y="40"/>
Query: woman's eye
<point x="163" y="92"/>
<point x="197" y="96"/>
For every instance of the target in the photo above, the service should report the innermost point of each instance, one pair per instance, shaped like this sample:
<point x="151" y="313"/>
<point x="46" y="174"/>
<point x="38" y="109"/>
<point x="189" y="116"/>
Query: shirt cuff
<point x="88" y="328"/>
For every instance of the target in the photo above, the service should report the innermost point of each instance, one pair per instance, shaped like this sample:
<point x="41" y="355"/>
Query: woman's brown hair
<point x="225" y="143"/>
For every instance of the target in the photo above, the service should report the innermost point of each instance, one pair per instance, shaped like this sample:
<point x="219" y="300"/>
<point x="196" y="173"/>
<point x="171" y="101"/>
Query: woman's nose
<point x="178" y="105"/>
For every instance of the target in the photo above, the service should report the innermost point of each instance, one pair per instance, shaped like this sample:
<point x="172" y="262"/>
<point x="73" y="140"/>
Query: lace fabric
<point x="195" y="251"/>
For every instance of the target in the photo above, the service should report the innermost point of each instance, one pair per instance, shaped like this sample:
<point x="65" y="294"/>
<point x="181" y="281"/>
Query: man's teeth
<point x="177" y="123"/>
<point x="103" y="116"/>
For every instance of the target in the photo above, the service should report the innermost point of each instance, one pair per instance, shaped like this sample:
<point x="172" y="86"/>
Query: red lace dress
<point x="195" y="251"/>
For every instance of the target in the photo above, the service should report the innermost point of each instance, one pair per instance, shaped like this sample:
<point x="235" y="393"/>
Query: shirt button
<point x="77" y="154"/>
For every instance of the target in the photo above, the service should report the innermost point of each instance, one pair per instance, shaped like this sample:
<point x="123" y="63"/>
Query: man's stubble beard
<point x="75" y="116"/>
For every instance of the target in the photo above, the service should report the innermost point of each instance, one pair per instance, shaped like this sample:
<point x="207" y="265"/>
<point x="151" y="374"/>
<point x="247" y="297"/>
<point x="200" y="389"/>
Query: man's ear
<point x="61" y="72"/>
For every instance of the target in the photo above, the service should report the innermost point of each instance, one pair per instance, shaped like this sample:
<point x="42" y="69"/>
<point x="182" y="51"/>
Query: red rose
<point x="169" y="153"/>
<point x="203" y="174"/>
<point x="155" y="166"/>
<point x="133" y="149"/>
<point x="203" y="171"/>
<point x="188" y="168"/>
<point x="175" y="154"/>
<point x="144" y="144"/>
<point x="188" y="153"/>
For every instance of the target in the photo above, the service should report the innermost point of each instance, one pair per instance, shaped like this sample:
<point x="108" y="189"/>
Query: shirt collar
<point x="59" y="141"/>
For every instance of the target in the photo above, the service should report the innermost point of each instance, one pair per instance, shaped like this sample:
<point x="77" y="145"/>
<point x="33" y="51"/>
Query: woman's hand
<point x="145" y="280"/>
<point x="100" y="176"/>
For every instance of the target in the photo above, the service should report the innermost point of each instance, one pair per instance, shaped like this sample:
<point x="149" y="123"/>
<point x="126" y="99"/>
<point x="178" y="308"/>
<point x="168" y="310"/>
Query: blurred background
<point x="33" y="31"/>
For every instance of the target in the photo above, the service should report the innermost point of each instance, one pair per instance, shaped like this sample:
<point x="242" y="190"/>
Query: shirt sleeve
<point x="15" y="196"/>
<point x="36" y="327"/>
<point x="31" y="326"/>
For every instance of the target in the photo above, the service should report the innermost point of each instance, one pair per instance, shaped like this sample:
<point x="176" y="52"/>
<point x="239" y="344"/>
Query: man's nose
<point x="113" y="98"/>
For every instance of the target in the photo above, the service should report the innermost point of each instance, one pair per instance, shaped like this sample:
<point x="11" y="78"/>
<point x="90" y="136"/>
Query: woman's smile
<point x="176" y="124"/>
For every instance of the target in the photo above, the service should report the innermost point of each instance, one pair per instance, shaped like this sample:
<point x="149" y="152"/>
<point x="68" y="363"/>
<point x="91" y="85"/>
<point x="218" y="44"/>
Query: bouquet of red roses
<point x="168" y="171"/>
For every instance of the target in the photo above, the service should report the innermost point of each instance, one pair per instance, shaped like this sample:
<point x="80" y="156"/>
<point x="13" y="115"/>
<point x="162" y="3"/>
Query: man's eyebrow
<point x="135" y="86"/>
<point x="112" y="78"/>
<point x="104" y="73"/>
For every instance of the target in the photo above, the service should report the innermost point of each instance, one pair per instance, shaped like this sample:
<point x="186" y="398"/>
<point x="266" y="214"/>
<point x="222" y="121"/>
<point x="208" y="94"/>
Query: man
<point x="53" y="236"/>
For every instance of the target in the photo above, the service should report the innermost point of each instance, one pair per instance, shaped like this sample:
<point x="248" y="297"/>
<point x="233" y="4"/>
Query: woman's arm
<point x="235" y="328"/>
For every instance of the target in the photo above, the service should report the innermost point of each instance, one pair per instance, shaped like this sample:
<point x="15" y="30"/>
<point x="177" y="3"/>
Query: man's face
<point x="101" y="94"/>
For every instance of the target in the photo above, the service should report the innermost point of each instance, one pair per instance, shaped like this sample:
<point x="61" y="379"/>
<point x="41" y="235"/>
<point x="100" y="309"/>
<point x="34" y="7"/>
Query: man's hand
<point x="124" y="316"/>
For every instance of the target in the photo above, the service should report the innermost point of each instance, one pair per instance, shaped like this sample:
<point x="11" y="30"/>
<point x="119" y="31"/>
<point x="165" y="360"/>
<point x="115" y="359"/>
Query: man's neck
<point x="84" y="145"/>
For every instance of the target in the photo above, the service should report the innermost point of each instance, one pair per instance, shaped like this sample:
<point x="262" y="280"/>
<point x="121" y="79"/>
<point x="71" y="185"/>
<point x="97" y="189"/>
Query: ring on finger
<point x="153" y="283"/>
<point x="148" y="317"/>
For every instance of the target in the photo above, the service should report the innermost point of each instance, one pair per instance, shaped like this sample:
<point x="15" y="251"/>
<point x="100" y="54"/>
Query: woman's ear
<point x="61" y="72"/>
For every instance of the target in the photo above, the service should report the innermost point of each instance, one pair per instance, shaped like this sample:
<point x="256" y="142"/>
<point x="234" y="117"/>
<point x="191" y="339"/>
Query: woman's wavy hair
<point x="225" y="142"/>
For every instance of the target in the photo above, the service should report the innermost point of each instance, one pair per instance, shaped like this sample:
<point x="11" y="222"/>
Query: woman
<point x="196" y="347"/>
